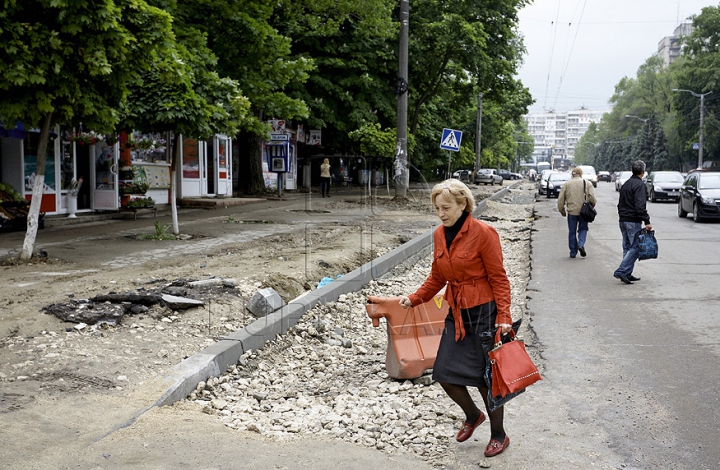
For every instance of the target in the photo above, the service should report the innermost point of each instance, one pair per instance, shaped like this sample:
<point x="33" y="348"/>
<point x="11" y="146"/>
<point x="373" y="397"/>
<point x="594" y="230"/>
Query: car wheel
<point x="682" y="213"/>
<point x="652" y="196"/>
<point x="696" y="215"/>
<point x="595" y="184"/>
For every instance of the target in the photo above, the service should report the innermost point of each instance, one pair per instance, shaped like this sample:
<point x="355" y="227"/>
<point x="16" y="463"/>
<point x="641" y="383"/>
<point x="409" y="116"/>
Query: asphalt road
<point x="638" y="362"/>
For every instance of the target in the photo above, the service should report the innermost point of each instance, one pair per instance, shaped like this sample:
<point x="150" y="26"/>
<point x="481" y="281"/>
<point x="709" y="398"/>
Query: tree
<point x="253" y="52"/>
<point x="698" y="72"/>
<point x="66" y="61"/>
<point x="353" y="47"/>
<point x="182" y="94"/>
<point x="457" y="50"/>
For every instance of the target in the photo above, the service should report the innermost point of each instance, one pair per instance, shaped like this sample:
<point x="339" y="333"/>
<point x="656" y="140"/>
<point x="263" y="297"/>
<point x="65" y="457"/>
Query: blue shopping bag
<point x="648" y="245"/>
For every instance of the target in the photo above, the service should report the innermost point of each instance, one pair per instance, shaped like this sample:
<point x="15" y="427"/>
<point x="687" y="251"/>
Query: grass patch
<point x="162" y="232"/>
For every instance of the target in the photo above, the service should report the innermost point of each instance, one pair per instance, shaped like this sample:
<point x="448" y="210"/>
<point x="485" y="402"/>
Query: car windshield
<point x="674" y="177"/>
<point x="709" y="181"/>
<point x="588" y="170"/>
<point x="560" y="177"/>
<point x="625" y="175"/>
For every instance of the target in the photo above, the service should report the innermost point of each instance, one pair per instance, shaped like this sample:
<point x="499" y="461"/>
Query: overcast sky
<point x="578" y="50"/>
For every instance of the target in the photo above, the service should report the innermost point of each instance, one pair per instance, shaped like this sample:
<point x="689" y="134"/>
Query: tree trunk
<point x="37" y="192"/>
<point x="174" y="172"/>
<point x="250" y="176"/>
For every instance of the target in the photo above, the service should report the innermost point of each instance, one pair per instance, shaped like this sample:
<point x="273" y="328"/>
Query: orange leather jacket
<point x="472" y="270"/>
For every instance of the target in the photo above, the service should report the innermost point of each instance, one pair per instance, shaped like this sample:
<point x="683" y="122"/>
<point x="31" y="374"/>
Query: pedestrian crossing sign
<point x="451" y="140"/>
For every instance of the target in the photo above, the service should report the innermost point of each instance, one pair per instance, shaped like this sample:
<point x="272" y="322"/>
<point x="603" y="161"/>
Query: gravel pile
<point x="327" y="375"/>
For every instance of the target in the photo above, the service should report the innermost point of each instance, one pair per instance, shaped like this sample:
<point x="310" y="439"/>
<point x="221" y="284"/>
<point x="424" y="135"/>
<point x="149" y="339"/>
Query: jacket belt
<point x="452" y="293"/>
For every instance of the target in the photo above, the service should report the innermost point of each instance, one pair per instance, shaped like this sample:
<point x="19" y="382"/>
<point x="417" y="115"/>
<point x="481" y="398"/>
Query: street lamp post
<point x="702" y="120"/>
<point x="636" y="117"/>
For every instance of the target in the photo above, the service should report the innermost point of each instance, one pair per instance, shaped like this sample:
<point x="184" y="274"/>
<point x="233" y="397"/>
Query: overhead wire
<point x="567" y="64"/>
<point x="553" y="33"/>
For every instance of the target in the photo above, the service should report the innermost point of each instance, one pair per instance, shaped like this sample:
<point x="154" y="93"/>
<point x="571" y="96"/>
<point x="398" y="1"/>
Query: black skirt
<point x="463" y="362"/>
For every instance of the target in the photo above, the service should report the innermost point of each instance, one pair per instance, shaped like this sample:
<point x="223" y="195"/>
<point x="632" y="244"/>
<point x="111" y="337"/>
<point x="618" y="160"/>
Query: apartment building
<point x="556" y="134"/>
<point x="669" y="47"/>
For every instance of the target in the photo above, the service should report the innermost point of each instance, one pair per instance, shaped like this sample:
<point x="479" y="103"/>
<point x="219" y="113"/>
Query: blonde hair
<point x="577" y="171"/>
<point x="326" y="161"/>
<point x="456" y="190"/>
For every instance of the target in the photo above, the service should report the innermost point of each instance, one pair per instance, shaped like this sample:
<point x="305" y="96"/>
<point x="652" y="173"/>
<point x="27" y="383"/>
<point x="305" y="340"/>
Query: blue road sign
<point x="451" y="140"/>
<point x="696" y="146"/>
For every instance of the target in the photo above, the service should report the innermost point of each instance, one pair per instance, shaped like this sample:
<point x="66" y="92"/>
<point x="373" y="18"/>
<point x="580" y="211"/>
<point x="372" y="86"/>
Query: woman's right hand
<point x="405" y="302"/>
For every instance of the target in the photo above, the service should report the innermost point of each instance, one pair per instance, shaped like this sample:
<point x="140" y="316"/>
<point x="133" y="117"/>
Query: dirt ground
<point x="65" y="385"/>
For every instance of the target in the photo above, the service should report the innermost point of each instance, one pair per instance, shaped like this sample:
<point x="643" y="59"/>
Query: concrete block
<point x="265" y="302"/>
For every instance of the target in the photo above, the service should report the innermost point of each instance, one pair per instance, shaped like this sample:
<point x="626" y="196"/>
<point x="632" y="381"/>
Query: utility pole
<point x="702" y="128"/>
<point x="478" y="134"/>
<point x="402" y="174"/>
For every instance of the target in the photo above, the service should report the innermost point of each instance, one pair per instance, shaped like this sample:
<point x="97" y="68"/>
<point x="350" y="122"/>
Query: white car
<point x="589" y="174"/>
<point x="622" y="177"/>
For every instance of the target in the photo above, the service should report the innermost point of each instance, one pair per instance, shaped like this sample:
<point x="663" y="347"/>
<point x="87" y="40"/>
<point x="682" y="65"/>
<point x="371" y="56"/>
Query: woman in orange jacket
<point x="468" y="262"/>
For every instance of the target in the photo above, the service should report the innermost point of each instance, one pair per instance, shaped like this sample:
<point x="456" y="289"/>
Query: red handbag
<point x="512" y="368"/>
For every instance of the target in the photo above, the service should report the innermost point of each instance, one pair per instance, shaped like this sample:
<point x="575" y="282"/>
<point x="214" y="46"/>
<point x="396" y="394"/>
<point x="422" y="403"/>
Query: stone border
<point x="212" y="361"/>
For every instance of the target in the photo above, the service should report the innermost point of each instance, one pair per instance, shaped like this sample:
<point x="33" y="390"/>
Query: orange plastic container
<point x="413" y="334"/>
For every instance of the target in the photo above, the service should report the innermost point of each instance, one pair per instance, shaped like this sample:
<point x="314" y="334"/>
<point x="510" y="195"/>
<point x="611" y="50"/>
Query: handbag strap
<point x="498" y="337"/>
<point x="584" y="191"/>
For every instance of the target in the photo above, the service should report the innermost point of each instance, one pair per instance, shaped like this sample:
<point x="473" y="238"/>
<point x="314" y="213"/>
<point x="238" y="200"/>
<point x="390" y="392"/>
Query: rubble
<point x="327" y="375"/>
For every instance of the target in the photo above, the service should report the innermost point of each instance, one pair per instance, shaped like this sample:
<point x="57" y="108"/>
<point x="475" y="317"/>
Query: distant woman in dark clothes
<point x="468" y="262"/>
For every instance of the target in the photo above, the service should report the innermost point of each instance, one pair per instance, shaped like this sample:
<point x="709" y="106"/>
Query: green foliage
<point x="250" y="50"/>
<point x="352" y="44"/>
<point x="457" y="50"/>
<point x="162" y="232"/>
<point x="376" y="142"/>
<point x="699" y="73"/>
<point x="634" y="129"/>
<point x="74" y="59"/>
<point x="183" y="93"/>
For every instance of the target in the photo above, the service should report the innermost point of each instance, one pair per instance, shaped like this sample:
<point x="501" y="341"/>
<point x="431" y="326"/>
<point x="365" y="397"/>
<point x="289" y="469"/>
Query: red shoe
<point x="494" y="447"/>
<point x="467" y="429"/>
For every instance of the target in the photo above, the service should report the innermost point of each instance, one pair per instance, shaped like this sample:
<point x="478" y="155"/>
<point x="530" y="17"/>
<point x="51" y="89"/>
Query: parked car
<point x="555" y="182"/>
<point x="462" y="175"/>
<point x="700" y="194"/>
<point x="508" y="175"/>
<point x="604" y="176"/>
<point x="622" y="177"/>
<point x="664" y="185"/>
<point x="542" y="185"/>
<point x="488" y="176"/>
<point x="589" y="174"/>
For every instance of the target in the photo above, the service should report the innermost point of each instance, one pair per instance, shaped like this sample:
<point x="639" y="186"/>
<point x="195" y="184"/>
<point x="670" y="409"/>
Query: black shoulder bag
<point x="587" y="211"/>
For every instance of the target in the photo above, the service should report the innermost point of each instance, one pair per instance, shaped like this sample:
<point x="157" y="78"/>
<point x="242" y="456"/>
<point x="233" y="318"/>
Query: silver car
<point x="488" y="176"/>
<point x="622" y="177"/>
<point x="542" y="186"/>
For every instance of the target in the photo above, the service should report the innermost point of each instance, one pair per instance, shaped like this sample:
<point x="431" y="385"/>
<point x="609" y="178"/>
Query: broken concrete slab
<point x="264" y="302"/>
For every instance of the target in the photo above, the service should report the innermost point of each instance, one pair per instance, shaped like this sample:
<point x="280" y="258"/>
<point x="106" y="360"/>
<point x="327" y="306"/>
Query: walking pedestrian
<point x="572" y="195"/>
<point x="468" y="262"/>
<point x="633" y="213"/>
<point x="325" y="178"/>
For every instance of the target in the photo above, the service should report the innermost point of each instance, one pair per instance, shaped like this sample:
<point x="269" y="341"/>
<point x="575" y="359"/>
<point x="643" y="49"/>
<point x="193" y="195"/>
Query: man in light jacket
<point x="572" y="196"/>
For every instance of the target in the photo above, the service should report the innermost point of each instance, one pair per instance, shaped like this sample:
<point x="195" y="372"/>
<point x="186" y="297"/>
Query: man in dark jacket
<point x="633" y="212"/>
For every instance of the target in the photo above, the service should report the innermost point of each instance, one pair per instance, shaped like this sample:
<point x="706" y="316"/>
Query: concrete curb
<point x="212" y="361"/>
